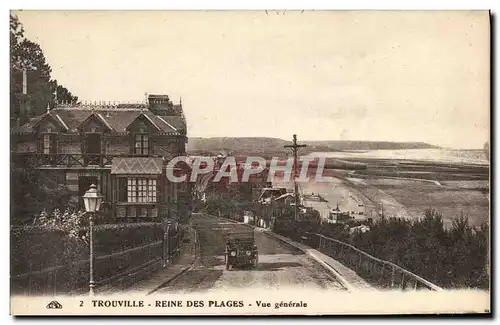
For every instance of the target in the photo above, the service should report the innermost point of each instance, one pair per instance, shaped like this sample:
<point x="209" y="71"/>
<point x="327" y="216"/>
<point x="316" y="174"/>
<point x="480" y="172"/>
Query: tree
<point x="64" y="95"/>
<point x="28" y="55"/>
<point x="29" y="196"/>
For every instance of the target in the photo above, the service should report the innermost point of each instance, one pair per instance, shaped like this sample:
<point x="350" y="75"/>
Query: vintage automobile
<point x="240" y="248"/>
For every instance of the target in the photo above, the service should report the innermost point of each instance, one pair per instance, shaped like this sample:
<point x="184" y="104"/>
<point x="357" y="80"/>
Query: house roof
<point x="117" y="119"/>
<point x="99" y="117"/>
<point x="150" y="119"/>
<point x="175" y="121"/>
<point x="54" y="117"/>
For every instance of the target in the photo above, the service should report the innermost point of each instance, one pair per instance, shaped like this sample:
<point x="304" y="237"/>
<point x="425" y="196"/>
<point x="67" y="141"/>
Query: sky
<point x="324" y="75"/>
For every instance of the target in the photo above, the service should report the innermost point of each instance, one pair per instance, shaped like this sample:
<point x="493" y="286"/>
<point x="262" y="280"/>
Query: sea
<point x="472" y="157"/>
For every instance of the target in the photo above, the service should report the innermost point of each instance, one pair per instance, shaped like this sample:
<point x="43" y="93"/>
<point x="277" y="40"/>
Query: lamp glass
<point x="92" y="199"/>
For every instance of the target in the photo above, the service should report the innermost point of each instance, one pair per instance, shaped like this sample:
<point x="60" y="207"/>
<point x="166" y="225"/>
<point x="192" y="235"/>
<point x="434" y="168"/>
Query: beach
<point x="404" y="188"/>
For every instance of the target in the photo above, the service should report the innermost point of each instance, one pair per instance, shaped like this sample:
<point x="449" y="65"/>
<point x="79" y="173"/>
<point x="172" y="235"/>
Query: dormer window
<point x="47" y="143"/>
<point x="142" y="144"/>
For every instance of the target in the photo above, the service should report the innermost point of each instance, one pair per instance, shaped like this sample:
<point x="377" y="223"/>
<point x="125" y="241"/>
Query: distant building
<point x="121" y="148"/>
<point x="255" y="181"/>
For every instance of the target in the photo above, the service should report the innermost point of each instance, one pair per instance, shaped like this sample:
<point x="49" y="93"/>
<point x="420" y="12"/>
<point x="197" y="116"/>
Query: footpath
<point x="163" y="275"/>
<point x="347" y="277"/>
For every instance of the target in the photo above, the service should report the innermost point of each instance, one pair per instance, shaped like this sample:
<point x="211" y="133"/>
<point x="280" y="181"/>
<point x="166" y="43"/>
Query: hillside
<point x="275" y="145"/>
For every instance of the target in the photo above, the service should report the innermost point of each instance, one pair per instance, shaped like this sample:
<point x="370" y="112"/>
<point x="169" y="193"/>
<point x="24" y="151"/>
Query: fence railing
<point x="110" y="263"/>
<point x="380" y="273"/>
<point x="33" y="159"/>
<point x="61" y="159"/>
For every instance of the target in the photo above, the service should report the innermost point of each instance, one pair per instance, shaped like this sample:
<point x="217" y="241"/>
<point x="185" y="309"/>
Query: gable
<point x="50" y="123"/>
<point x="48" y="126"/>
<point x="143" y="124"/>
<point x="94" y="123"/>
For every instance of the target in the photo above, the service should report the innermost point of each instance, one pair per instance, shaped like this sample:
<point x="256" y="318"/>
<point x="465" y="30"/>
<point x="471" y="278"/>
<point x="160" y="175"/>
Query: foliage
<point x="227" y="199"/>
<point x="30" y="196"/>
<point x="61" y="240"/>
<point x="453" y="258"/>
<point x="51" y="240"/>
<point x="69" y="222"/>
<point x="456" y="257"/>
<point x="26" y="54"/>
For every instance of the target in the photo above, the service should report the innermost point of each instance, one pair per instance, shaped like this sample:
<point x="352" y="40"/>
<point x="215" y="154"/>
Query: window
<point x="46" y="144"/>
<point x="141" y="144"/>
<point x="142" y="190"/>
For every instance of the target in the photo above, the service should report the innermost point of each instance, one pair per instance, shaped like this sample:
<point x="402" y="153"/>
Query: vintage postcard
<point x="250" y="162"/>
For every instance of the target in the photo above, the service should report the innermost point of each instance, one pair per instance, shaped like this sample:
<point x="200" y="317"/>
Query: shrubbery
<point x="229" y="200"/>
<point x="50" y="240"/>
<point x="61" y="240"/>
<point x="29" y="197"/>
<point x="454" y="257"/>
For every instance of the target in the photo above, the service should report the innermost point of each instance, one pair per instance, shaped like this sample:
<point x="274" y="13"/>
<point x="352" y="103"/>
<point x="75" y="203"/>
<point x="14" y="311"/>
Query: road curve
<point x="280" y="266"/>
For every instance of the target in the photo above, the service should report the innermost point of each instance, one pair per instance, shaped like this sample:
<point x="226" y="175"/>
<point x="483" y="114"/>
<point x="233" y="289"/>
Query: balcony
<point x="61" y="160"/>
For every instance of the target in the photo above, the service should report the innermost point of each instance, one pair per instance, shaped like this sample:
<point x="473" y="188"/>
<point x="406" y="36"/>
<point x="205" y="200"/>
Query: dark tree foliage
<point x="28" y="55"/>
<point x="228" y="198"/>
<point x="454" y="257"/>
<point x="29" y="196"/>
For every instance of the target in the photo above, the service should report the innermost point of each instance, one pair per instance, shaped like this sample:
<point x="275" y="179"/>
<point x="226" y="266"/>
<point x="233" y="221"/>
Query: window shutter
<point x="54" y="144"/>
<point x="84" y="144"/>
<point x="131" y="141"/>
<point x="158" y="190"/>
<point x="39" y="144"/>
<point x="150" y="146"/>
<point x="122" y="189"/>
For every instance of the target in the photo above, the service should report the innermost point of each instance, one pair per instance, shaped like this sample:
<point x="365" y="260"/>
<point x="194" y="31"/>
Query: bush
<point x="451" y="258"/>
<point x="61" y="240"/>
<point x="51" y="240"/>
<point x="29" y="197"/>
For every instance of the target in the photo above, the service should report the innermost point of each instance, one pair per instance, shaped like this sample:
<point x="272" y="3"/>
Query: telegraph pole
<point x="295" y="147"/>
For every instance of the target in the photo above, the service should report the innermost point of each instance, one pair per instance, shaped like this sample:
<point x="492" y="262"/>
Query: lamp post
<point x="92" y="201"/>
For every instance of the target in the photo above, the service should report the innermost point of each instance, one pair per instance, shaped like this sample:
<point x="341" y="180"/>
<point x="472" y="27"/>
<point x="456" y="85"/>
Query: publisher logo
<point x="54" y="305"/>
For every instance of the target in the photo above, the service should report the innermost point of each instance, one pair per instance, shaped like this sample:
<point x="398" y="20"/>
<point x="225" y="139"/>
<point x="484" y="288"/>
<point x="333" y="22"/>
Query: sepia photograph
<point x="260" y="162"/>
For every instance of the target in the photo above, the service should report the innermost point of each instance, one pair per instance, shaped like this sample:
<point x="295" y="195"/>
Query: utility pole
<point x="295" y="147"/>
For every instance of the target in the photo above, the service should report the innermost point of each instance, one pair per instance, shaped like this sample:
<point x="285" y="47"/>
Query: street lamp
<point x="92" y="201"/>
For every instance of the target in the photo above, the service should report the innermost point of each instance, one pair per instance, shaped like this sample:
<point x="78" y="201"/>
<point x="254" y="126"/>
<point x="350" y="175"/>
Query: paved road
<point x="280" y="266"/>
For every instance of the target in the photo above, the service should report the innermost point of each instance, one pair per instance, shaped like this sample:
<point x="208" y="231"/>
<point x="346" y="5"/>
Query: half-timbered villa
<point x="122" y="148"/>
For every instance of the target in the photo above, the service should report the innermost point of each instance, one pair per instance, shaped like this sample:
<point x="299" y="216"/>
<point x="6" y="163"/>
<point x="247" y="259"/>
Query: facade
<point x="122" y="148"/>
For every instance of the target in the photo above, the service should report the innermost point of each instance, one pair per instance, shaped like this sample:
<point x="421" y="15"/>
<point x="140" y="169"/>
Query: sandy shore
<point x="403" y="198"/>
<point x="337" y="192"/>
